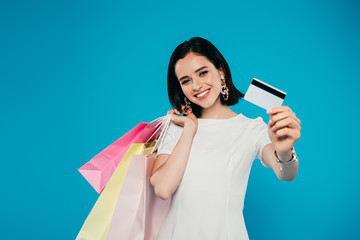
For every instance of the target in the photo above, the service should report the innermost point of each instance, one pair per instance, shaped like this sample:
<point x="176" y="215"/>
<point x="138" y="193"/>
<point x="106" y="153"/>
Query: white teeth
<point x="202" y="94"/>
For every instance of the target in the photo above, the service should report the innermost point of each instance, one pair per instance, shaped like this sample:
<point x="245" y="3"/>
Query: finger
<point x="279" y="109"/>
<point x="286" y="122"/>
<point x="179" y="120"/>
<point x="280" y="116"/>
<point x="276" y="117"/>
<point x="177" y="111"/>
<point x="173" y="111"/>
<point x="288" y="133"/>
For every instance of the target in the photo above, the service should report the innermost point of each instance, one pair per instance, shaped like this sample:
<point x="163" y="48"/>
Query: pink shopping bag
<point x="138" y="213"/>
<point x="98" y="221"/>
<point x="100" y="168"/>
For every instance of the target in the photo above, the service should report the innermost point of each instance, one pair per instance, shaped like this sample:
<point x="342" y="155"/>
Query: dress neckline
<point x="218" y="119"/>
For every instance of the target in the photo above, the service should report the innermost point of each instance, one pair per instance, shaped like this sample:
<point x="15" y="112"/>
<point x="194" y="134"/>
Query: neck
<point x="217" y="111"/>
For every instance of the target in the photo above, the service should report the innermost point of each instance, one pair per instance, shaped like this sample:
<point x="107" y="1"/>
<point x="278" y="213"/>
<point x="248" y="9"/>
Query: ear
<point x="221" y="72"/>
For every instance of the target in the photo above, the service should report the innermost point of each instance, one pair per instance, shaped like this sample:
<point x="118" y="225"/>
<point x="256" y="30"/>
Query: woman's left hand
<point x="284" y="128"/>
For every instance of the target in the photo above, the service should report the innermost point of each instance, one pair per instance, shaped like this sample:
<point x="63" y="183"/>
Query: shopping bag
<point x="98" y="221"/>
<point x="100" y="168"/>
<point x="139" y="213"/>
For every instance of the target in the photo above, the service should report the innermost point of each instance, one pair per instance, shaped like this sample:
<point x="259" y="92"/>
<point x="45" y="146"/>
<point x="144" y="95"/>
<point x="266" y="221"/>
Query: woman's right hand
<point x="168" y="169"/>
<point x="188" y="122"/>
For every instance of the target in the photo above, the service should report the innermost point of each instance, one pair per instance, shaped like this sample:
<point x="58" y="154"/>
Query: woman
<point x="205" y="160"/>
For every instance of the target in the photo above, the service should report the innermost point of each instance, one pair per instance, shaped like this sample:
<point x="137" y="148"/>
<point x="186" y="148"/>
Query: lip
<point x="200" y="98"/>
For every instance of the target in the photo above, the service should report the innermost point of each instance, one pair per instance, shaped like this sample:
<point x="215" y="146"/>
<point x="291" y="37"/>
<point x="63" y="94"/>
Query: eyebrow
<point x="195" y="72"/>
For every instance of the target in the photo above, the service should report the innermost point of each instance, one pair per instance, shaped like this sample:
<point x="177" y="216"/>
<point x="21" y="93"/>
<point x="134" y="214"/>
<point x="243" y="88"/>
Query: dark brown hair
<point x="204" y="48"/>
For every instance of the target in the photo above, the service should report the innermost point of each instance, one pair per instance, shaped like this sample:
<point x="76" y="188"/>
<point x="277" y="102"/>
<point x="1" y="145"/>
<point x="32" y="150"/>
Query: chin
<point x="204" y="104"/>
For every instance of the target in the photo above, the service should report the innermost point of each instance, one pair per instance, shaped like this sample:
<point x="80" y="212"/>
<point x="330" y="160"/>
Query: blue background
<point x="76" y="75"/>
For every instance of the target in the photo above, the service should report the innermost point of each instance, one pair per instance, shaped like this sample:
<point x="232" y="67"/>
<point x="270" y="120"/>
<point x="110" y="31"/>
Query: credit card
<point x="264" y="95"/>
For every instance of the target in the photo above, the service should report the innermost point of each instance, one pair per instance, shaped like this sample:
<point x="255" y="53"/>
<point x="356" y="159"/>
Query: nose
<point x="197" y="84"/>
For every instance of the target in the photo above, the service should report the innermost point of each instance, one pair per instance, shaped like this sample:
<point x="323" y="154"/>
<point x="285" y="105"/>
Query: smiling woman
<point x="206" y="156"/>
<point x="192" y="63"/>
<point x="202" y="82"/>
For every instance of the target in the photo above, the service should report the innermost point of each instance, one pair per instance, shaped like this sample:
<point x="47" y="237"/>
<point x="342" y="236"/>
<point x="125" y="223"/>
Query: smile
<point x="203" y="94"/>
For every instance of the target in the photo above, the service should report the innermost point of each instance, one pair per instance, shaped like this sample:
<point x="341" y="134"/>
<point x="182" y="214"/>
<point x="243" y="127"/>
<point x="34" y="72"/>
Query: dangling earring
<point x="186" y="109"/>
<point x="225" y="90"/>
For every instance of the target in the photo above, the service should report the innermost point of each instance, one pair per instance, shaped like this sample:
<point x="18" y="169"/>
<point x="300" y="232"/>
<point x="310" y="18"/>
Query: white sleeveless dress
<point x="208" y="203"/>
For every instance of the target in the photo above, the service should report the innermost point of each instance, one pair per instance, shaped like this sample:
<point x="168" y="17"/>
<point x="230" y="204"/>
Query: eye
<point x="185" y="81"/>
<point x="203" y="73"/>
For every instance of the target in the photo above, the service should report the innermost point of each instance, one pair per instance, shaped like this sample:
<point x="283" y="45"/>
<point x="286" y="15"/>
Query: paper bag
<point x="100" y="168"/>
<point x="98" y="221"/>
<point x="139" y="213"/>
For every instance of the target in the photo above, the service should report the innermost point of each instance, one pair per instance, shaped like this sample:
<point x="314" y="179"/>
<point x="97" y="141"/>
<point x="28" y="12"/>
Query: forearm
<point x="167" y="177"/>
<point x="283" y="171"/>
<point x="287" y="172"/>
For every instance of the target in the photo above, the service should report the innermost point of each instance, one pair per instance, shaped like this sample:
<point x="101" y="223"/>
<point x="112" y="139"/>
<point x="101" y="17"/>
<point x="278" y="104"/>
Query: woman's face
<point x="200" y="81"/>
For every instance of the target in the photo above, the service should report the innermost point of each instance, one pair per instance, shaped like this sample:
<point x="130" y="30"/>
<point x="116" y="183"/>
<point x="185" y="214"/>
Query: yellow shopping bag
<point x="97" y="224"/>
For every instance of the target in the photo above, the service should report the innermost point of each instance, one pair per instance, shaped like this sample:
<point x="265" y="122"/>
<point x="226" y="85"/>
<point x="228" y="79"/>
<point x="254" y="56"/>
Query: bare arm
<point x="284" y="130"/>
<point x="168" y="170"/>
<point x="287" y="172"/>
